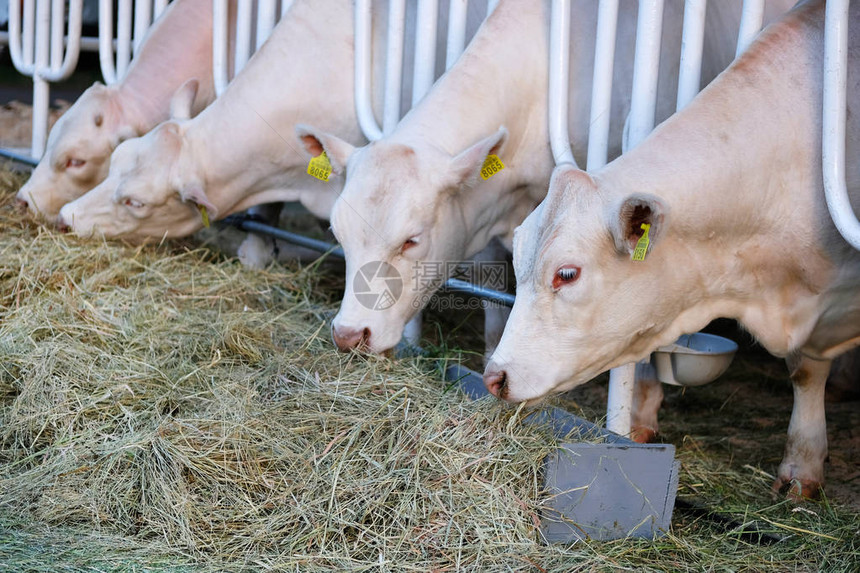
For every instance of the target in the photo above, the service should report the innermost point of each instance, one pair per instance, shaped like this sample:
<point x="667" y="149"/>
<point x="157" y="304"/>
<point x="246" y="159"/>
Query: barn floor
<point x="162" y="408"/>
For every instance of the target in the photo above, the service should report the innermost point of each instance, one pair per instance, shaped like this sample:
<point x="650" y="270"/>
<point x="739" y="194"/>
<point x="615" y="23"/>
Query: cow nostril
<point x="61" y="224"/>
<point x="22" y="203"/>
<point x="365" y="337"/>
<point x="496" y="383"/>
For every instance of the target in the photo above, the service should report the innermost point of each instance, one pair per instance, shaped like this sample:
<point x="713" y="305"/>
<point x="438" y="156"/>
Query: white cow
<point x="176" y="49"/>
<point x="732" y="190"/>
<point x="243" y="149"/>
<point x="416" y="199"/>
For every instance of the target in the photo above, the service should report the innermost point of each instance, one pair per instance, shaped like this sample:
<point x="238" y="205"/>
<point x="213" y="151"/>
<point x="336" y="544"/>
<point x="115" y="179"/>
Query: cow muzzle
<point x="350" y="338"/>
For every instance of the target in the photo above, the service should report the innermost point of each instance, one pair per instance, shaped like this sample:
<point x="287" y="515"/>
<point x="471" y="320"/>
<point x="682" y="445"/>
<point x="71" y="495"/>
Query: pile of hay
<point x="170" y="395"/>
<point x="163" y="408"/>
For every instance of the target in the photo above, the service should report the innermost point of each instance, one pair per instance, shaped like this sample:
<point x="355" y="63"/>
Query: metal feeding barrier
<point x="41" y="49"/>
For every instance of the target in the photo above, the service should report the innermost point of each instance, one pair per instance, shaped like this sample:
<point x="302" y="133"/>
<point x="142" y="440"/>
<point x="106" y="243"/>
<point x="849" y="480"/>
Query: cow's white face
<point x="399" y="220"/>
<point x="77" y="153"/>
<point x="582" y="306"/>
<point x="150" y="191"/>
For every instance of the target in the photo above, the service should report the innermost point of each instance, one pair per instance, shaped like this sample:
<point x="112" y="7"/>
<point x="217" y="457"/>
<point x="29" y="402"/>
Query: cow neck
<point x="145" y="102"/>
<point x="740" y="172"/>
<point x="500" y="80"/>
<point x="245" y="142"/>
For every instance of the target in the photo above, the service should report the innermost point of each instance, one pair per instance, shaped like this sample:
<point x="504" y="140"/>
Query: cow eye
<point x="134" y="204"/>
<point x="565" y="275"/>
<point x="73" y="163"/>
<point x="409" y="243"/>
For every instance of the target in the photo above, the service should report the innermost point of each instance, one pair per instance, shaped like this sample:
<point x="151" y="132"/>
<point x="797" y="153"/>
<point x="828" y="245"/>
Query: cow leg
<point x="412" y="330"/>
<point x="256" y="251"/>
<point x="647" y="399"/>
<point x="801" y="473"/>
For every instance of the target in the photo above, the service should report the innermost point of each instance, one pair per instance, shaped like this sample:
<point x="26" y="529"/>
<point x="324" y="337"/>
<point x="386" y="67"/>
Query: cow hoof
<point x="255" y="252"/>
<point x="643" y="435"/>
<point x="796" y="489"/>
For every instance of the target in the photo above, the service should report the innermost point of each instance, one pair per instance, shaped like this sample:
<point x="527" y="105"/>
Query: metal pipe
<point x="220" y="40"/>
<point x="646" y="67"/>
<point x="123" y="38"/>
<point x="601" y="87"/>
<point x="692" y="45"/>
<point x="834" y="120"/>
<point x="491" y="6"/>
<point x="142" y="21"/>
<point x="58" y="12"/>
<point x="363" y="107"/>
<point x="160" y="5"/>
<point x="285" y="5"/>
<point x="751" y="19"/>
<point x="266" y="16"/>
<point x="41" y="91"/>
<point x="20" y="158"/>
<point x="244" y="15"/>
<point x="106" y="60"/>
<point x="457" y="16"/>
<point x="29" y="33"/>
<point x="559" y="74"/>
<point x="424" y="72"/>
<point x="393" y="65"/>
<point x="619" y="402"/>
<point x="646" y="63"/>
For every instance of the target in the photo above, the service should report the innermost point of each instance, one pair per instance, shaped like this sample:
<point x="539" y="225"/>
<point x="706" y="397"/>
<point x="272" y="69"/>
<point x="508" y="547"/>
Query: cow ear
<point x="183" y="100"/>
<point x="314" y="142"/>
<point x="627" y="217"/>
<point x="466" y="166"/>
<point x="195" y="195"/>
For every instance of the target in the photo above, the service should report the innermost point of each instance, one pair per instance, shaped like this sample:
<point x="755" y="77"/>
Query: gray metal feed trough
<point x="607" y="488"/>
<point x="610" y="489"/>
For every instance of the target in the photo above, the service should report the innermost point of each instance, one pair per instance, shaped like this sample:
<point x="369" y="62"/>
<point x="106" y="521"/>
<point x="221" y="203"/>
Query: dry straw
<point x="163" y="408"/>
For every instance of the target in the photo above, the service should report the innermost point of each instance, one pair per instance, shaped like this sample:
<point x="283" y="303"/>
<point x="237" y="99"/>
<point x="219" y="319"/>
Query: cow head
<point x="152" y="188"/>
<point x="399" y="219"/>
<point x="583" y="306"/>
<point x="77" y="153"/>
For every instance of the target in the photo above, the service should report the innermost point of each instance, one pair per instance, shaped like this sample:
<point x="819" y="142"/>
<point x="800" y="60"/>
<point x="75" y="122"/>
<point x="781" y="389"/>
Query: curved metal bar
<point x="834" y="119"/>
<point x="456" y="42"/>
<point x="751" y="19"/>
<point x="266" y="17"/>
<point x="646" y="68"/>
<point x="220" y="40"/>
<point x="393" y="65"/>
<point x="106" y="60"/>
<point x="142" y="21"/>
<point x="559" y="73"/>
<point x="424" y="71"/>
<point x="692" y="44"/>
<point x="363" y="107"/>
<point x="73" y="43"/>
<point x="123" y="38"/>
<point x="601" y="87"/>
<point x="16" y="42"/>
<point x="245" y="10"/>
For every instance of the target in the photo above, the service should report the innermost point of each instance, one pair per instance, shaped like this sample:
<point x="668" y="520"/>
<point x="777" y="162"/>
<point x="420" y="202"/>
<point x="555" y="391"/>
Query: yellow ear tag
<point x="320" y="167"/>
<point x="205" y="214"/>
<point x="492" y="165"/>
<point x="642" y="244"/>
